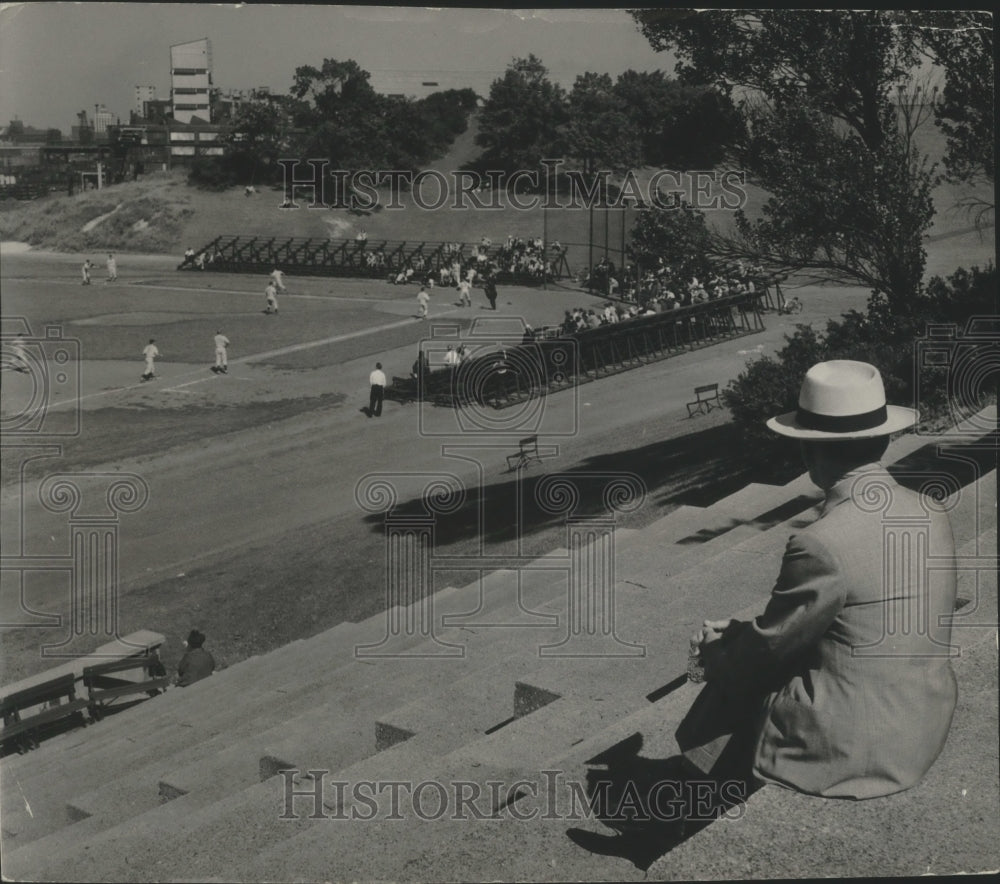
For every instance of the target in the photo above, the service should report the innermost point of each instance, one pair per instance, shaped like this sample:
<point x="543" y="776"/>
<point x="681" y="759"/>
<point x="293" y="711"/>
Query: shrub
<point x="213" y="173"/>
<point x="770" y="386"/>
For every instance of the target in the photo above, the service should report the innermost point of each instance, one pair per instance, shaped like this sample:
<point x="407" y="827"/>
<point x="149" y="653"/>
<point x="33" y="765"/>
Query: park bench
<point x="705" y="399"/>
<point x="105" y="685"/>
<point x="46" y="699"/>
<point x="527" y="452"/>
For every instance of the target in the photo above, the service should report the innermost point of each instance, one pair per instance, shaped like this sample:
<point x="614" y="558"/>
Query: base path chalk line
<point x="257" y="357"/>
<point x="140" y="283"/>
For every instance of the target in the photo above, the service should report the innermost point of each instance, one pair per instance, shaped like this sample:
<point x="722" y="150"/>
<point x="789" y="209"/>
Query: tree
<point x="679" y="126"/>
<point x="342" y="115"/>
<point x="677" y="235"/>
<point x="328" y="93"/>
<point x="844" y="212"/>
<point x="961" y="43"/>
<point x="520" y="121"/>
<point x="254" y="141"/>
<point x="599" y="132"/>
<point x="827" y="138"/>
<point x="770" y="385"/>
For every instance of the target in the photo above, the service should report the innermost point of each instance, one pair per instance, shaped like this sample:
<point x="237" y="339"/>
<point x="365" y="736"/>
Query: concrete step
<point x="153" y="741"/>
<point x="368" y="688"/>
<point x="441" y="719"/>
<point x="146" y="732"/>
<point x="131" y="851"/>
<point x="675" y="524"/>
<point x="293" y="666"/>
<point x="528" y="840"/>
<point x="460" y="849"/>
<point x="239" y="756"/>
<point x="328" y="850"/>
<point x="211" y="838"/>
<point x="188" y="722"/>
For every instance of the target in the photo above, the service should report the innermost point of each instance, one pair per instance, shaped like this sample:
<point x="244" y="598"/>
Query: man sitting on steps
<point x="843" y="686"/>
<point x="196" y="663"/>
<point x="848" y="666"/>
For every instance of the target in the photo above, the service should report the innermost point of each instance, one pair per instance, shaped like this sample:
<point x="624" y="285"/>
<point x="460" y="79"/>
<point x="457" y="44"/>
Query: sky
<point x="57" y="59"/>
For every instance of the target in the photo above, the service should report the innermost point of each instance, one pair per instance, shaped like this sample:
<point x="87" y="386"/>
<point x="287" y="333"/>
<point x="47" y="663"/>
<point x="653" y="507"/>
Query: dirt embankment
<point x="140" y="216"/>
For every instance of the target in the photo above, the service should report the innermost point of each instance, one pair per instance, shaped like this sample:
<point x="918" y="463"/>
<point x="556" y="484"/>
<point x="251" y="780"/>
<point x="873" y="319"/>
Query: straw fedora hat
<point x="842" y="399"/>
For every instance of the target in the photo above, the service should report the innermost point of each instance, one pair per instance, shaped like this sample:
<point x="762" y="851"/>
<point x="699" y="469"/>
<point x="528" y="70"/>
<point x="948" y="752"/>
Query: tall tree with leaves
<point x="520" y="121"/>
<point x="960" y="43"/>
<point x="344" y="116"/>
<point x="599" y="132"/>
<point x="820" y="93"/>
<point x="680" y="126"/>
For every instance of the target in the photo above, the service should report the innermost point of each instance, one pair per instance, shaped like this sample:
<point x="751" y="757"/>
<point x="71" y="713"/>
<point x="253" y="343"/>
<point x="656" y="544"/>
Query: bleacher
<point x="190" y="786"/>
<point x="346" y="257"/>
<point x="554" y="360"/>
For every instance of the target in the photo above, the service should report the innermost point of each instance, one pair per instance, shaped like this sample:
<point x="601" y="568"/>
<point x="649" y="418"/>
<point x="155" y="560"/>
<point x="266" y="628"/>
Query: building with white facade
<point x="102" y="119"/>
<point x="191" y="80"/>
<point x="143" y="94"/>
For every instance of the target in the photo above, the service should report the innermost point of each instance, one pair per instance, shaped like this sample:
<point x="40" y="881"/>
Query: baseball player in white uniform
<point x="150" y="352"/>
<point x="221" y="363"/>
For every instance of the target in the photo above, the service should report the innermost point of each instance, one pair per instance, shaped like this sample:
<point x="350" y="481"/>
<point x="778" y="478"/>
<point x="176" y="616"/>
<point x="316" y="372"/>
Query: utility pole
<point x="622" y="271"/>
<point x="607" y="274"/>
<point x="545" y="243"/>
<point x="590" y="238"/>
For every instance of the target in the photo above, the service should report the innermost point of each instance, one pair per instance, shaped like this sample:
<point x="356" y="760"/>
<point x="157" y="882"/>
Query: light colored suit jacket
<point x="852" y="651"/>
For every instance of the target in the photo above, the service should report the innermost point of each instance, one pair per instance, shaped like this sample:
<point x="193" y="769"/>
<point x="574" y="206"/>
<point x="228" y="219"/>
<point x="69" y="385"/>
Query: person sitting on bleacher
<point x="843" y="686"/>
<point x="196" y="663"/>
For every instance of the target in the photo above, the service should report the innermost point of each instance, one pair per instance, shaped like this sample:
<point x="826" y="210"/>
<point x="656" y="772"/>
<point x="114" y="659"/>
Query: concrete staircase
<point x="212" y="782"/>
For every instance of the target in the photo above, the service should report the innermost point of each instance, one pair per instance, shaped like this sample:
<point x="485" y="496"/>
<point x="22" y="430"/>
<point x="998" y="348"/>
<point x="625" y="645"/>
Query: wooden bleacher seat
<point x="527" y="452"/>
<point x="16" y="697"/>
<point x="104" y="686"/>
<point x="46" y="699"/>
<point x="706" y="398"/>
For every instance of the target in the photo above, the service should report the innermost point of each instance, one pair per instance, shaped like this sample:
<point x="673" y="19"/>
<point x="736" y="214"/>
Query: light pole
<point x="590" y="238"/>
<point x="545" y="242"/>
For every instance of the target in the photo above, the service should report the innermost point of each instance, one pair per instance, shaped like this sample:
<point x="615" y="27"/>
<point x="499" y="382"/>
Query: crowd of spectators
<point x="657" y="291"/>
<point x="477" y="262"/>
<point x="582" y="318"/>
<point x="662" y="283"/>
<point x="528" y="257"/>
<point x="200" y="260"/>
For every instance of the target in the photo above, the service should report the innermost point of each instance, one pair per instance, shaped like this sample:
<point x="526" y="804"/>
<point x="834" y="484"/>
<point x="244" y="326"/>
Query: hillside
<point x="161" y="214"/>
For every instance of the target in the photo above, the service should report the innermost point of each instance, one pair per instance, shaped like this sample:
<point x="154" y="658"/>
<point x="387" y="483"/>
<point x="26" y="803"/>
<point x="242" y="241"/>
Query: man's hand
<point x="711" y="631"/>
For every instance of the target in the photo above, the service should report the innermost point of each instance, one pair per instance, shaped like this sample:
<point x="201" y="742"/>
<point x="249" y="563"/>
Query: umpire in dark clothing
<point x="490" y="288"/>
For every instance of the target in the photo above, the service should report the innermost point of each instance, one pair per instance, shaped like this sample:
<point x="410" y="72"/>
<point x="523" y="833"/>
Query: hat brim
<point x="898" y="418"/>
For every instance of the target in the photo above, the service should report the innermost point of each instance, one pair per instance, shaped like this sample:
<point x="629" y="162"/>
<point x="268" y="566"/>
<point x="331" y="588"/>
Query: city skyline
<point x="60" y="58"/>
